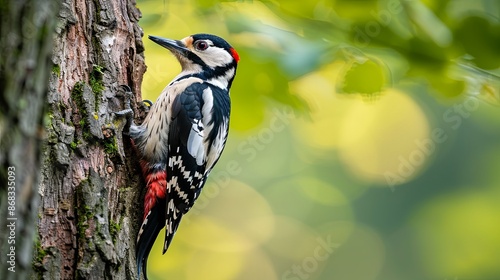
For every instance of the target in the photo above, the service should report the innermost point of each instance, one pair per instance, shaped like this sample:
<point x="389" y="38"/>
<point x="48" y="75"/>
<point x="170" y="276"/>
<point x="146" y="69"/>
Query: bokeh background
<point x="364" y="141"/>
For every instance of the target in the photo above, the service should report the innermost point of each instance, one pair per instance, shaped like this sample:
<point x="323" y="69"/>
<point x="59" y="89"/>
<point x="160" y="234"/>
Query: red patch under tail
<point x="156" y="186"/>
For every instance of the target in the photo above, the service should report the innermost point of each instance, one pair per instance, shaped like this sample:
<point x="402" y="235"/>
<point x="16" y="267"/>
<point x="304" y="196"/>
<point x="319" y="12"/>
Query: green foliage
<point x="429" y="40"/>
<point x="370" y="71"/>
<point x="482" y="46"/>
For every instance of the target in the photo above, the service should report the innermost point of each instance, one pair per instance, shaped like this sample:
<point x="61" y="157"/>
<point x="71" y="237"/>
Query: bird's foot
<point x="127" y="112"/>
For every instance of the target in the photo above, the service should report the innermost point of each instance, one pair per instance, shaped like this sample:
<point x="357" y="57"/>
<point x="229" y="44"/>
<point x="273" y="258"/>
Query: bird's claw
<point x="147" y="103"/>
<point x="127" y="112"/>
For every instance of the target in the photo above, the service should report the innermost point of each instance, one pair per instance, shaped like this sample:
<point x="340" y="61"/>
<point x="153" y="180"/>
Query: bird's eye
<point x="201" y="45"/>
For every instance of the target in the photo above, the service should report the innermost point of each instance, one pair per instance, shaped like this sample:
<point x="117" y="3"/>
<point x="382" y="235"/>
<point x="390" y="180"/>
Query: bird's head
<point x="203" y="53"/>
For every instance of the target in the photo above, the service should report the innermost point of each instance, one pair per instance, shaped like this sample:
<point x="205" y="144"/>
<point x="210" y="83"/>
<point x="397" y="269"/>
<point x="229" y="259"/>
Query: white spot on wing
<point x="218" y="144"/>
<point x="195" y="142"/>
<point x="208" y="103"/>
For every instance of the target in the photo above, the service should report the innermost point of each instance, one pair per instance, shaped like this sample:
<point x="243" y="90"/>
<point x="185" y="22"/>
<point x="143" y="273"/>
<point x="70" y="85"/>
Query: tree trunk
<point x="87" y="218"/>
<point x="25" y="46"/>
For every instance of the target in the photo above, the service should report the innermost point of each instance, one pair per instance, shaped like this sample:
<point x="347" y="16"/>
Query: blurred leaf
<point x="206" y="4"/>
<point x="438" y="6"/>
<point x="356" y="10"/>
<point x="366" y="76"/>
<point x="426" y="53"/>
<point x="308" y="9"/>
<point x="482" y="83"/>
<point x="446" y="86"/>
<point x="428" y="23"/>
<point x="458" y="9"/>
<point x="480" y="39"/>
<point x="296" y="55"/>
<point x="490" y="94"/>
<point x="442" y="78"/>
<point x="326" y="25"/>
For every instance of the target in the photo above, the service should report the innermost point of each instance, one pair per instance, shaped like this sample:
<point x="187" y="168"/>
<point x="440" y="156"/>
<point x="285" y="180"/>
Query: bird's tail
<point x="154" y="215"/>
<point x="150" y="228"/>
<point x="173" y="219"/>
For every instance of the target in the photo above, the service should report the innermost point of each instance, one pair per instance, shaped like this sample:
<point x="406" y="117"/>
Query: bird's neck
<point x="220" y="77"/>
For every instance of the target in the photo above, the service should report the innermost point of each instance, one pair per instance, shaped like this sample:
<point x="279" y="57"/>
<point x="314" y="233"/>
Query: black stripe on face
<point x="197" y="60"/>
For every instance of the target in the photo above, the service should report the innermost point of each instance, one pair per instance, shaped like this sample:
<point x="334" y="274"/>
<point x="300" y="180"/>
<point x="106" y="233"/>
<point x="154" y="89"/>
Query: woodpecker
<point x="183" y="135"/>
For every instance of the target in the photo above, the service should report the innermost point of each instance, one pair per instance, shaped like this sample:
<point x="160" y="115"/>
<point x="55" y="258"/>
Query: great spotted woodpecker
<point x="183" y="135"/>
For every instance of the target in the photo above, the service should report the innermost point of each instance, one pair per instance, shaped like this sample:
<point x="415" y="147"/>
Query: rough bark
<point x="89" y="198"/>
<point x="25" y="47"/>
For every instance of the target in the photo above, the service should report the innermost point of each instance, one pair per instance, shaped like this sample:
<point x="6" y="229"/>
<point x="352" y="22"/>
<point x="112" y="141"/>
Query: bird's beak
<point x="175" y="46"/>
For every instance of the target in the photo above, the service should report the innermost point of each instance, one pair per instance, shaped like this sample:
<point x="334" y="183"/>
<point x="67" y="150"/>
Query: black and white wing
<point x="186" y="160"/>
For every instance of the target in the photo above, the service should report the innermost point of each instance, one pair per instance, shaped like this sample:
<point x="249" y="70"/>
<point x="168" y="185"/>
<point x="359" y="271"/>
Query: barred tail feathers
<point x="150" y="228"/>
<point x="154" y="214"/>
<point x="172" y="221"/>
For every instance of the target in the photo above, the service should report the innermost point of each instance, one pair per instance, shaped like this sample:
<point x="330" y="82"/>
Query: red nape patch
<point x="235" y="54"/>
<point x="156" y="185"/>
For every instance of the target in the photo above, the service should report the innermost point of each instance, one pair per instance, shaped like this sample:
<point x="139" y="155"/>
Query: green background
<point x="364" y="141"/>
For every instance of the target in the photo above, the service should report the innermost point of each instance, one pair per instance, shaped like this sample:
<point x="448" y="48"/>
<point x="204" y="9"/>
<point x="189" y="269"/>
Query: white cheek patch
<point x="215" y="57"/>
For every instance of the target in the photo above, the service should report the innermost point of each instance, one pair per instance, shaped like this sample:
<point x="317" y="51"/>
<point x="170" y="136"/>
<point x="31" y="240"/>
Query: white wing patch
<point x="208" y="103"/>
<point x="197" y="145"/>
<point x="195" y="142"/>
<point x="218" y="144"/>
